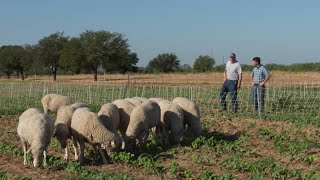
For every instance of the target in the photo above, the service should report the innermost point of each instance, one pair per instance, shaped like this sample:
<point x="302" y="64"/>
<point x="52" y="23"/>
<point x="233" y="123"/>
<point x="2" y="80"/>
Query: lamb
<point x="143" y="118"/>
<point x="136" y="100"/>
<point x="87" y="127"/>
<point x="63" y="126"/>
<point x="110" y="118"/>
<point x="191" y="116"/>
<point x="125" y="107"/>
<point x="172" y="122"/>
<point x="52" y="102"/>
<point x="35" y="129"/>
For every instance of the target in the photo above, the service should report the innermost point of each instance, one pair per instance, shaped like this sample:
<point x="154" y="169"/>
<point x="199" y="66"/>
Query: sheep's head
<point x="116" y="143"/>
<point x="37" y="154"/>
<point x="177" y="137"/>
<point x="62" y="134"/>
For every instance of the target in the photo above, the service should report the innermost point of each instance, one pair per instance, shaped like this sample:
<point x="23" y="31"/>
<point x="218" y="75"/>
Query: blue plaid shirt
<point x="259" y="74"/>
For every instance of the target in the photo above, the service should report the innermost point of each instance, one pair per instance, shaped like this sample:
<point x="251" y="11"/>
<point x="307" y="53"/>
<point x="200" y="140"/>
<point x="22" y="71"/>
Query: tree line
<point x="91" y="51"/>
<point x="103" y="51"/>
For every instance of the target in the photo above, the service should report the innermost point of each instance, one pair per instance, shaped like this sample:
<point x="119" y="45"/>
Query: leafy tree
<point x="164" y="63"/>
<point x="49" y="49"/>
<point x="9" y="57"/>
<point x="120" y="58"/>
<point x="95" y="46"/>
<point x="72" y="56"/>
<point x="203" y="64"/>
<point x="26" y="61"/>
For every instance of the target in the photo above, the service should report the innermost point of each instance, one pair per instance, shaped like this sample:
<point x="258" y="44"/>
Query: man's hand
<point x="239" y="86"/>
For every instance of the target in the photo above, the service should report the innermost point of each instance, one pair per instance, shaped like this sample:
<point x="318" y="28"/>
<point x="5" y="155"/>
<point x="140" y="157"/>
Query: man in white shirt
<point x="232" y="82"/>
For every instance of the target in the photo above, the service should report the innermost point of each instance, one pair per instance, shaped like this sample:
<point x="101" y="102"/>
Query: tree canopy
<point x="49" y="51"/>
<point x="203" y="64"/>
<point x="167" y="62"/>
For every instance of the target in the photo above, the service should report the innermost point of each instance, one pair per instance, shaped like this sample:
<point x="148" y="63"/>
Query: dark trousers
<point x="231" y="87"/>
<point x="257" y="96"/>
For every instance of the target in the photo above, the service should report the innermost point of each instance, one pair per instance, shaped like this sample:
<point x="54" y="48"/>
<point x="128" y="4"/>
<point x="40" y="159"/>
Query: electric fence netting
<point x="293" y="102"/>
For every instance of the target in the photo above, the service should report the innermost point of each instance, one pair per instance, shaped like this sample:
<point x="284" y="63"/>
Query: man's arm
<point x="239" y="80"/>
<point x="268" y="74"/>
<point x="265" y="80"/>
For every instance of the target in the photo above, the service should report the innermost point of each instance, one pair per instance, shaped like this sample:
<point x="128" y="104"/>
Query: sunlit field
<point x="282" y="143"/>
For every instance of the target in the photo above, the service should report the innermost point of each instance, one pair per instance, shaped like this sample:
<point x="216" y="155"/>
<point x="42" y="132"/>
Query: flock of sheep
<point x="120" y="125"/>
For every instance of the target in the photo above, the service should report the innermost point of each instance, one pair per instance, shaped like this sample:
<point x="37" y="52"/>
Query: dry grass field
<point x="180" y="79"/>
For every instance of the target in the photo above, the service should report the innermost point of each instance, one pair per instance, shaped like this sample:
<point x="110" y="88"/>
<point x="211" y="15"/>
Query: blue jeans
<point x="229" y="86"/>
<point x="257" y="96"/>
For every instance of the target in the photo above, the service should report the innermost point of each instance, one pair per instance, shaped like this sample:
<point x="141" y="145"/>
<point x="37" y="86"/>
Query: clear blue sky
<point x="279" y="31"/>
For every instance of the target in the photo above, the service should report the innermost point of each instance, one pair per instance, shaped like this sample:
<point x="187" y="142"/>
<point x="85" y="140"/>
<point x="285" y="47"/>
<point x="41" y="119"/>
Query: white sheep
<point x="52" y="102"/>
<point x="142" y="119"/>
<point x="110" y="118"/>
<point x="35" y="129"/>
<point x="63" y="126"/>
<point x="125" y="108"/>
<point x="191" y="114"/>
<point x="136" y="101"/>
<point x="172" y="122"/>
<point x="87" y="127"/>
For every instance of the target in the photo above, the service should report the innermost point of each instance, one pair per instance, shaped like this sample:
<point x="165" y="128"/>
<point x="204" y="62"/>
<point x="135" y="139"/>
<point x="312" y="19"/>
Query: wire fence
<point x="298" y="102"/>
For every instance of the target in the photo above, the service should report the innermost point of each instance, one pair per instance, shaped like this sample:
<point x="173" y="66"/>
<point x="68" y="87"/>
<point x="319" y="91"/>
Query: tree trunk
<point x="96" y="74"/>
<point x="22" y="74"/>
<point x="54" y="73"/>
<point x="8" y="75"/>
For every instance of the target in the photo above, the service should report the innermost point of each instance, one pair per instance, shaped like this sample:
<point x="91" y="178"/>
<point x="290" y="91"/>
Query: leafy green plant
<point x="311" y="159"/>
<point x="174" y="168"/>
<point x="3" y="175"/>
<point x="122" y="157"/>
<point x="188" y="174"/>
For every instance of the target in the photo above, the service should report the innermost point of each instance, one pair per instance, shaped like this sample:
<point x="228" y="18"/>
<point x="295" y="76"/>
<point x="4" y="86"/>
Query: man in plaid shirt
<point x="260" y="75"/>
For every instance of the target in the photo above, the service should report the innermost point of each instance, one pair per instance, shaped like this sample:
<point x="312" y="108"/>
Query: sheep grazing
<point x="142" y="119"/>
<point x="52" y="102"/>
<point x="191" y="114"/>
<point x="35" y="129"/>
<point x="110" y="118"/>
<point x="125" y="108"/>
<point x="172" y="122"/>
<point x="136" y="101"/>
<point x="87" y="127"/>
<point x="63" y="126"/>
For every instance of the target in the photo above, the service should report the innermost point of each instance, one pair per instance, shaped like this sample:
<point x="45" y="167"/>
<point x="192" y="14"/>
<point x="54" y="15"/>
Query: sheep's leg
<point x="81" y="159"/>
<point x="75" y="148"/>
<point x="95" y="152"/>
<point x="104" y="160"/>
<point x="24" y="144"/>
<point x="66" y="154"/>
<point x="166" y="136"/>
<point x="45" y="157"/>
